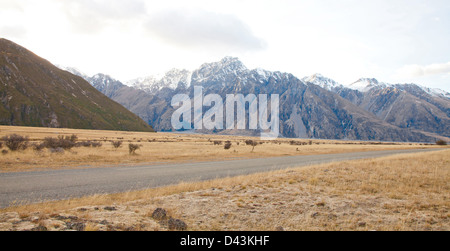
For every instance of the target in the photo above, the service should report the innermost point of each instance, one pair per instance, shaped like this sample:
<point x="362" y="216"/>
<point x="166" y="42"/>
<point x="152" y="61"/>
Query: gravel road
<point x="31" y="187"/>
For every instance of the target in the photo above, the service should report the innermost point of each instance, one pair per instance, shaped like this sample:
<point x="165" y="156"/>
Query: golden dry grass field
<point x="404" y="192"/>
<point x="407" y="192"/>
<point x="163" y="148"/>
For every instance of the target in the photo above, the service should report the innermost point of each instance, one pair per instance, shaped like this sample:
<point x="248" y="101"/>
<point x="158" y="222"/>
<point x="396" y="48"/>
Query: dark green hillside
<point x="33" y="92"/>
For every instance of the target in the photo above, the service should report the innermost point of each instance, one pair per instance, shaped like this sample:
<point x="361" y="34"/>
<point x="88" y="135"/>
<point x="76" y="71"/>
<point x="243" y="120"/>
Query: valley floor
<point x="156" y="148"/>
<point x="404" y="192"/>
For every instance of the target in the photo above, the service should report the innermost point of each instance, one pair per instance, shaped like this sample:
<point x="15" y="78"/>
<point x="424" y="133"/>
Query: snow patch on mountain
<point x="322" y="81"/>
<point x="435" y="92"/>
<point x="173" y="79"/>
<point x="367" y="84"/>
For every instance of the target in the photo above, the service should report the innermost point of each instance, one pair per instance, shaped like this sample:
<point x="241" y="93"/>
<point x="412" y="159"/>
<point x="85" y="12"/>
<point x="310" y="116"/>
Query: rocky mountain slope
<point x="407" y="106"/>
<point x="33" y="92"/>
<point x="313" y="107"/>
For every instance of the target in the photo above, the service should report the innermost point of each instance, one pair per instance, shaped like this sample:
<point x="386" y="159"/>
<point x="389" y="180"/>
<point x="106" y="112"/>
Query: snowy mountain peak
<point x="176" y="77"/>
<point x="367" y="84"/>
<point x="172" y="80"/>
<point x="231" y="61"/>
<point x="100" y="76"/>
<point x="320" y="80"/>
<point x="220" y="72"/>
<point x="225" y="66"/>
<point x="103" y="82"/>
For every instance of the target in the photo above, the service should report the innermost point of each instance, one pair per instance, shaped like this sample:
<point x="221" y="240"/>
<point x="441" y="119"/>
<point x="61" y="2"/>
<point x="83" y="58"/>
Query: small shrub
<point x="297" y="143"/>
<point x="133" y="148"/>
<point x="1" y="145"/>
<point x="441" y="143"/>
<point x="218" y="143"/>
<point x="65" y="143"/>
<point x="89" y="144"/>
<point x="84" y="144"/>
<point x="117" y="144"/>
<point x="50" y="142"/>
<point x="228" y="145"/>
<point x="4" y="152"/>
<point x="73" y="138"/>
<point x="16" y="142"/>
<point x="96" y="144"/>
<point x="251" y="143"/>
<point x="38" y="147"/>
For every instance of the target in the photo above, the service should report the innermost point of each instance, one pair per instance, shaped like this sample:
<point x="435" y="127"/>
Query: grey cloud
<point x="420" y="70"/>
<point x="87" y="16"/>
<point x="202" y="29"/>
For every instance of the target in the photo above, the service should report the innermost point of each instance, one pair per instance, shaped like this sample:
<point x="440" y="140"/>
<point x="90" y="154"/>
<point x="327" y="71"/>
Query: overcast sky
<point x="395" y="41"/>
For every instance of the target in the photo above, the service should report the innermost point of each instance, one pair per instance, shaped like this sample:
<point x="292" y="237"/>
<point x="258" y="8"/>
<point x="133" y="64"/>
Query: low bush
<point x="96" y="144"/>
<point x="228" y="145"/>
<point x="297" y="143"/>
<point x="251" y="143"/>
<point x="88" y="144"/>
<point x="65" y="143"/>
<point x="38" y="147"/>
<point x="83" y="144"/>
<point x="133" y="148"/>
<point x="15" y="142"/>
<point x="441" y="143"/>
<point x="116" y="144"/>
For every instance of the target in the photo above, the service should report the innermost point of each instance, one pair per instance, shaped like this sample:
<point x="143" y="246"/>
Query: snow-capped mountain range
<point x="182" y="78"/>
<point x="368" y="84"/>
<point x="177" y="78"/>
<point x="212" y="72"/>
<point x="311" y="107"/>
